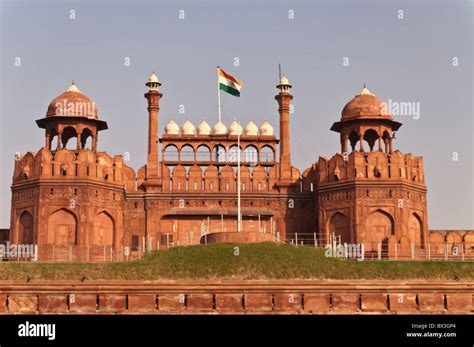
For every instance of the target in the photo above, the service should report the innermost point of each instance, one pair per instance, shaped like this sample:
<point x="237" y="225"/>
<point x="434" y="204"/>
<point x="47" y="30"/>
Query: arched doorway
<point x="103" y="233"/>
<point x="415" y="230"/>
<point x="25" y="229"/>
<point x="379" y="227"/>
<point x="339" y="226"/>
<point x="62" y="228"/>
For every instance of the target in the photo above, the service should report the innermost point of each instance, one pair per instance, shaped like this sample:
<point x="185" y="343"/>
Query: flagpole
<point x="218" y="95"/>
<point x="239" y="217"/>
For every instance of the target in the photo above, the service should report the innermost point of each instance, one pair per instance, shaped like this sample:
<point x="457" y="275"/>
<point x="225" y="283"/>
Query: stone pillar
<point x="390" y="144"/>
<point x="344" y="140"/>
<point x="48" y="139"/>
<point x="78" y="146"/>
<point x="361" y="142"/>
<point x="284" y="100"/>
<point x="60" y="139"/>
<point x="94" y="142"/>
<point x="153" y="97"/>
<point x="380" y="143"/>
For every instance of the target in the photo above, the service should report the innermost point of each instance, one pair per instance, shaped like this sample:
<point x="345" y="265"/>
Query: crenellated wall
<point x="68" y="164"/>
<point x="69" y="198"/>
<point x="371" y="198"/>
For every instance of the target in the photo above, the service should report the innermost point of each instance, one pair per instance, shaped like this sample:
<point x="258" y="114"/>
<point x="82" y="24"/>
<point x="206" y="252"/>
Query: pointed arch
<point x="203" y="153"/>
<point x="25" y="228"/>
<point x="104" y="230"/>
<point x="171" y="153"/>
<point x="68" y="133"/>
<point x="415" y="230"/>
<point x="379" y="227"/>
<point x="250" y="155"/>
<point x="86" y="138"/>
<point x="371" y="136"/>
<point x="338" y="225"/>
<point x="62" y="228"/>
<point x="266" y="154"/>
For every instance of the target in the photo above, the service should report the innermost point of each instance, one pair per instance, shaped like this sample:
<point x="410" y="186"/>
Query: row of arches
<point x="367" y="140"/>
<point x="379" y="226"/>
<point x="62" y="229"/>
<point x="219" y="153"/>
<point x="452" y="239"/>
<point x="58" y="139"/>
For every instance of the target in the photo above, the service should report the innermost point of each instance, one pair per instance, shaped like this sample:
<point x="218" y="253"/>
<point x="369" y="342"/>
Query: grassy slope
<point x="256" y="261"/>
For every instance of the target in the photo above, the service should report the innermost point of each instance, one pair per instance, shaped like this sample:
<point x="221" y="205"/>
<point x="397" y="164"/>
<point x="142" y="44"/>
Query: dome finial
<point x="365" y="91"/>
<point x="73" y="88"/>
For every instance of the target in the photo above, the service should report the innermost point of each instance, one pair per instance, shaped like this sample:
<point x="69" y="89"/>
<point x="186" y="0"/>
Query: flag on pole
<point x="229" y="84"/>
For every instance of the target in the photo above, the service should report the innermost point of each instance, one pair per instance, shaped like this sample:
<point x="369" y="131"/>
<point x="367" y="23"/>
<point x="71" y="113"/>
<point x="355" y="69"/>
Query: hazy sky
<point x="405" y="60"/>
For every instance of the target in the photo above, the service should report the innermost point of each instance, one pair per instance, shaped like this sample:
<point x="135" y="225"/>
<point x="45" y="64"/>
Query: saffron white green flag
<point x="229" y="83"/>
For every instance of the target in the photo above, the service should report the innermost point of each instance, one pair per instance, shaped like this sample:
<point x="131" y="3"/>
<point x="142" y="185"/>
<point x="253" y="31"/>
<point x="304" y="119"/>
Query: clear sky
<point x="405" y="60"/>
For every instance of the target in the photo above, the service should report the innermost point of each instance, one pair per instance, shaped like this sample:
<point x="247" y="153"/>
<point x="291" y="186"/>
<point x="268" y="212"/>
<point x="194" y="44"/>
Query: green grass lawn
<point x="255" y="261"/>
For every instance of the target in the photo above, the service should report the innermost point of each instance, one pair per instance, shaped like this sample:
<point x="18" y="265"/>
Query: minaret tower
<point x="153" y="97"/>
<point x="284" y="100"/>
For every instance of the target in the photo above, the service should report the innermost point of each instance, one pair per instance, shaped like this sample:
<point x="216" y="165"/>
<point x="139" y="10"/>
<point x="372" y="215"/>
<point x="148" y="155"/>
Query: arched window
<point x="267" y="154"/>
<point x="219" y="154"/>
<point x="86" y="138"/>
<point x="203" y="153"/>
<point x="354" y="139"/>
<point x="371" y="137"/>
<point x="69" y="133"/>
<point x="233" y="153"/>
<point x="186" y="153"/>
<point x="53" y="139"/>
<point x="250" y="155"/>
<point x="170" y="153"/>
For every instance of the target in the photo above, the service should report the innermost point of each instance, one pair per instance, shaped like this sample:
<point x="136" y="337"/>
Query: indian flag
<point x="229" y="84"/>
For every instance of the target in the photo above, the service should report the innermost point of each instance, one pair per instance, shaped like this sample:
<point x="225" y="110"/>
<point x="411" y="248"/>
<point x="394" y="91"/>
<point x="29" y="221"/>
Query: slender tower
<point x="284" y="100"/>
<point x="153" y="97"/>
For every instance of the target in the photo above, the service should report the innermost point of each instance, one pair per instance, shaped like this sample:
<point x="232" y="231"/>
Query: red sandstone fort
<point x="82" y="204"/>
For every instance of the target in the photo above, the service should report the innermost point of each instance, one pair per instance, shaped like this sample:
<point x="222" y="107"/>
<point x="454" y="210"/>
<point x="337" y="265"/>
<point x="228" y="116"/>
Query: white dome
<point x="153" y="78"/>
<point x="266" y="129"/>
<point x="188" y="128"/>
<point x="235" y="128"/>
<point x="251" y="129"/>
<point x="204" y="128"/>
<point x="172" y="128"/>
<point x="219" y="129"/>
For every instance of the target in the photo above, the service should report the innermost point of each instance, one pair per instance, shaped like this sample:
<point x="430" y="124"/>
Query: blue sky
<point x="407" y="60"/>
